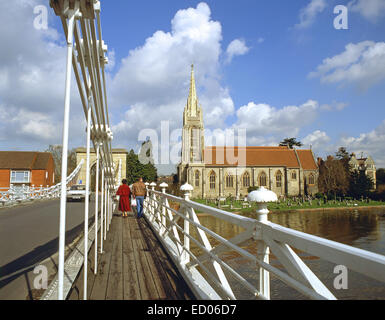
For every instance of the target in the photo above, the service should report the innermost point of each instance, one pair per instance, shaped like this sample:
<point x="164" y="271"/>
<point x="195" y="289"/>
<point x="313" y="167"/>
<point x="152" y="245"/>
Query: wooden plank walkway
<point x="134" y="266"/>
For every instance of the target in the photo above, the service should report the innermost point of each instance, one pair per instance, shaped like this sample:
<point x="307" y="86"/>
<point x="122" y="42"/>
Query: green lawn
<point x="237" y="205"/>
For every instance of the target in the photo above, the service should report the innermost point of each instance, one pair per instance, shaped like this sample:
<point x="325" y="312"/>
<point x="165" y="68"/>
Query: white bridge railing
<point x="17" y="194"/>
<point x="207" y="273"/>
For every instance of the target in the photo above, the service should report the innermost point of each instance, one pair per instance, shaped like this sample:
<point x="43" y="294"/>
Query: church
<point x="217" y="172"/>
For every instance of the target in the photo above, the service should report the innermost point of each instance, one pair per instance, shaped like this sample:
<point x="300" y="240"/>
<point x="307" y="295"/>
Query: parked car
<point x="77" y="192"/>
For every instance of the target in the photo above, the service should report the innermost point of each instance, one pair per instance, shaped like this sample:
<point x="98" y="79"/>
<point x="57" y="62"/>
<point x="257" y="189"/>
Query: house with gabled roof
<point x="364" y="164"/>
<point x="26" y="168"/>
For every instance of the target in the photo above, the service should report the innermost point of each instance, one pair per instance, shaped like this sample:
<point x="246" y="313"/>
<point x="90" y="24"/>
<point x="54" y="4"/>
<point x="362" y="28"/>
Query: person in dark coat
<point x="124" y="200"/>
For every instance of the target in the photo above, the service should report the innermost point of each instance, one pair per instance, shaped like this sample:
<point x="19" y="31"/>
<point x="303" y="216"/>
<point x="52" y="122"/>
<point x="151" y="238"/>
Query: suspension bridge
<point x="169" y="254"/>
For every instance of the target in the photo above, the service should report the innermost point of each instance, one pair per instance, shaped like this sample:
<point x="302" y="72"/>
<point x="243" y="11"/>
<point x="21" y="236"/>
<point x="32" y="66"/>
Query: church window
<point x="311" y="179"/>
<point x="278" y="179"/>
<point x="246" y="180"/>
<point x="294" y="175"/>
<point x="197" y="178"/>
<point x="229" y="181"/>
<point x="262" y="180"/>
<point x="212" y="180"/>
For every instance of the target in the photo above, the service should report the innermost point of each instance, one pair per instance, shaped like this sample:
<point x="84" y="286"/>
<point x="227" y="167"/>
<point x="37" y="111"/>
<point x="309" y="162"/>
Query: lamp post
<point x="262" y="197"/>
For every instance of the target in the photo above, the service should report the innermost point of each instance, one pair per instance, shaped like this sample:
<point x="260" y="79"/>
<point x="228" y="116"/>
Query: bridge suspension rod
<point x="86" y="52"/>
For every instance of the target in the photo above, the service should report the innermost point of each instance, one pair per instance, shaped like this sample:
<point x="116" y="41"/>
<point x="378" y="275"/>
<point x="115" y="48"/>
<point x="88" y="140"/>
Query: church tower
<point x="193" y="132"/>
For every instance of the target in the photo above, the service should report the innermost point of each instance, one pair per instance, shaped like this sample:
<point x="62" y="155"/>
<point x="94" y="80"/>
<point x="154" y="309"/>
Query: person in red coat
<point x="124" y="200"/>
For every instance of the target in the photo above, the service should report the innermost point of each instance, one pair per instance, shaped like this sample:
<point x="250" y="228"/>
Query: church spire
<point x="192" y="101"/>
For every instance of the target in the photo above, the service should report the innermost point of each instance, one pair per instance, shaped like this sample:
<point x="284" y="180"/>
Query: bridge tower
<point x="119" y="156"/>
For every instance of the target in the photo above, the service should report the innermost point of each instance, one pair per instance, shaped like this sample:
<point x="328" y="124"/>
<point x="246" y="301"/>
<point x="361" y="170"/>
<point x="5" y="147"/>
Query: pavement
<point x="29" y="236"/>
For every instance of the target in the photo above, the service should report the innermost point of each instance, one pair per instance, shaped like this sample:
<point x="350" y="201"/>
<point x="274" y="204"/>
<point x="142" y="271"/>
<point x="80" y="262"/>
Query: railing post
<point x="146" y="202"/>
<point x="263" y="254"/>
<point x="71" y="21"/>
<point x="102" y="212"/>
<point x="186" y="240"/>
<point x="163" y="185"/>
<point x="96" y="206"/>
<point x="107" y="205"/>
<point x="87" y="201"/>
<point x="105" y="210"/>
<point x="262" y="196"/>
<point x="152" y="197"/>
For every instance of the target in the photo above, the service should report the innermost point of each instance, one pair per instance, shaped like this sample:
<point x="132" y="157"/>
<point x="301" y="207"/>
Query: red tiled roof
<point x="259" y="157"/>
<point x="307" y="159"/>
<point x="27" y="160"/>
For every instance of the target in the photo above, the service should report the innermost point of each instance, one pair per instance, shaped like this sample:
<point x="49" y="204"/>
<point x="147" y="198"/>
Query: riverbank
<point x="346" y="208"/>
<point x="238" y="208"/>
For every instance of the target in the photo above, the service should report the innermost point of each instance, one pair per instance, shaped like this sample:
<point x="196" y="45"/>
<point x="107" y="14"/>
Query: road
<point x="29" y="235"/>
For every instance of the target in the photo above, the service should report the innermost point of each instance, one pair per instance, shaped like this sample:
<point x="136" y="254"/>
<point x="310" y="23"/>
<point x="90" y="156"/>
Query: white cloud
<point x="153" y="80"/>
<point x="111" y="60"/>
<point x="317" y="139"/>
<point x="370" y="9"/>
<point x="237" y="47"/>
<point x="32" y="74"/>
<point x="371" y="143"/>
<point x="264" y="120"/>
<point x="309" y="13"/>
<point x="335" y="106"/>
<point x="362" y="64"/>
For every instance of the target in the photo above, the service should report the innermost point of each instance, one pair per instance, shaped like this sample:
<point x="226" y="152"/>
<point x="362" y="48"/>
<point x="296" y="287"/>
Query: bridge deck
<point x="133" y="266"/>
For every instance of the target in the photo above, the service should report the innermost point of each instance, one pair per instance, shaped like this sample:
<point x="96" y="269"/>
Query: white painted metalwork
<point x="15" y="195"/>
<point x="208" y="274"/>
<point x="87" y="201"/>
<point x="86" y="52"/>
<point x="102" y="212"/>
<point x="96" y="209"/>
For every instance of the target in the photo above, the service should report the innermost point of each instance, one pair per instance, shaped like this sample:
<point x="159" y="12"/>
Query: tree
<point x="136" y="169"/>
<point x="343" y="155"/>
<point x="57" y="151"/>
<point x="380" y="176"/>
<point x="360" y="184"/>
<point x="290" y="142"/>
<point x="333" y="178"/>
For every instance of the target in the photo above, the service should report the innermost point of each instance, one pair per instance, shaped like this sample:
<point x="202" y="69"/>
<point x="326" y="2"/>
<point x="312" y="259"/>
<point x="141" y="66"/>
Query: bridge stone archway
<point x="118" y="155"/>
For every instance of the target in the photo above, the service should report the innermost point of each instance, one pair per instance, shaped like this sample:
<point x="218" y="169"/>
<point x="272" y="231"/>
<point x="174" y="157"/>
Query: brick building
<point x="26" y="167"/>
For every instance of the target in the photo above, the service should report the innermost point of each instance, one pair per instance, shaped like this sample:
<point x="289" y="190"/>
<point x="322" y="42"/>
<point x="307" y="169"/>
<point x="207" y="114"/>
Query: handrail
<point x="14" y="195"/>
<point x="205" y="274"/>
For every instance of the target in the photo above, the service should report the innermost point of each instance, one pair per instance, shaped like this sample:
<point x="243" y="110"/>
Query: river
<point x="364" y="229"/>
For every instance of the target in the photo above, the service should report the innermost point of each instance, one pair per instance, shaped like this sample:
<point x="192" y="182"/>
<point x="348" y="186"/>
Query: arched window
<point x="262" y="180"/>
<point x="197" y="178"/>
<point x="212" y="180"/>
<point x="278" y="179"/>
<point x="229" y="181"/>
<point x="311" y="179"/>
<point x="294" y="175"/>
<point x="246" y="180"/>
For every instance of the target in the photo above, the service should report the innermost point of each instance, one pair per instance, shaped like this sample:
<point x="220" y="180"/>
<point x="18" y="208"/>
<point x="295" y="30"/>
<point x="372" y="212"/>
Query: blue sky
<point x="276" y="83"/>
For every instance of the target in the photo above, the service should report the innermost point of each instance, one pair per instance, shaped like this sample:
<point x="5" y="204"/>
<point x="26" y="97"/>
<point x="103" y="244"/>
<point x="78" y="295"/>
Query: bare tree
<point x="333" y="177"/>
<point x="56" y="151"/>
